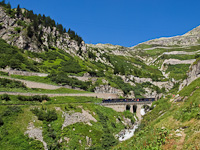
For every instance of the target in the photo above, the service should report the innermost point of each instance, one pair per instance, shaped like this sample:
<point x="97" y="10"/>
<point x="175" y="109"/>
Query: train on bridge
<point x="117" y="100"/>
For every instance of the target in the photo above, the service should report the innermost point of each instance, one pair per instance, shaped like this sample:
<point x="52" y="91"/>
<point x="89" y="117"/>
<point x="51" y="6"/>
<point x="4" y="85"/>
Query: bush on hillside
<point x="63" y="79"/>
<point x="3" y="73"/>
<point x="43" y="115"/>
<point x="7" y="83"/>
<point x="14" y="58"/>
<point x="5" y="97"/>
<point x="38" y="98"/>
<point x="1" y="121"/>
<point x="12" y="110"/>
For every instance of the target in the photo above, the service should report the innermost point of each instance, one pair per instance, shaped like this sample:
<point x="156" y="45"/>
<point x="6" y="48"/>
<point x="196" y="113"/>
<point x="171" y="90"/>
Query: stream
<point x="128" y="133"/>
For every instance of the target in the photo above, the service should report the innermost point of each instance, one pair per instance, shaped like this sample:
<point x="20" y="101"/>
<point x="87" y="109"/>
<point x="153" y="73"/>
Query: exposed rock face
<point x="190" y="38"/>
<point x="50" y="36"/>
<point x="193" y="74"/>
<point x="36" y="133"/>
<point x="88" y="141"/>
<point x="77" y="117"/>
<point x="142" y="80"/>
<point x="150" y="93"/>
<point x="108" y="89"/>
<point x="167" y="85"/>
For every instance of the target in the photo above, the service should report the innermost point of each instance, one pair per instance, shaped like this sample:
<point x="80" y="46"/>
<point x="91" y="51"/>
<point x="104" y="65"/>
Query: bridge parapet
<point x="128" y="103"/>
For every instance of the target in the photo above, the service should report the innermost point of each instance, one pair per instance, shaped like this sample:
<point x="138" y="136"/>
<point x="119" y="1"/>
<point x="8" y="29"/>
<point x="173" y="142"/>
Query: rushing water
<point x="142" y="112"/>
<point x="128" y="133"/>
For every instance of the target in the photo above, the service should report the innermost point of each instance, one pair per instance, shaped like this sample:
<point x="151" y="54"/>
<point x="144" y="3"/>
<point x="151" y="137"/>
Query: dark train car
<point x="116" y="100"/>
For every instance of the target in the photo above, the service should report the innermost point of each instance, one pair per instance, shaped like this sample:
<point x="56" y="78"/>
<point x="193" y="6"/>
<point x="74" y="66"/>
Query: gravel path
<point x="31" y="84"/>
<point x="177" y="61"/>
<point x="98" y="95"/>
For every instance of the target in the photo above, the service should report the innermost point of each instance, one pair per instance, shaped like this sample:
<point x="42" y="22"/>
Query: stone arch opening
<point x="128" y="107"/>
<point x="134" y="108"/>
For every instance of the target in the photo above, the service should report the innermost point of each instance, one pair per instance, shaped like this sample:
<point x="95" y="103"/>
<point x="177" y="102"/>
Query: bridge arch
<point x="134" y="108"/>
<point x="128" y="107"/>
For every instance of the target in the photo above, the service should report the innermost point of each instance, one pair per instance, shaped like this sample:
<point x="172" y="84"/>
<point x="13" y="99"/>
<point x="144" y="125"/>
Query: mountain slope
<point x="172" y="124"/>
<point x="31" y="45"/>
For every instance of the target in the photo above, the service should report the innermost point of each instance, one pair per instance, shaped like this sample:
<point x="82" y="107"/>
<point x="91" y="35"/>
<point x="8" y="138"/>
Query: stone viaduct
<point x="134" y="107"/>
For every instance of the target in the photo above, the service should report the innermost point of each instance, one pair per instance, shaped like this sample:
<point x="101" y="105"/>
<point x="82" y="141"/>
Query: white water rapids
<point x="128" y="133"/>
<point x="142" y="112"/>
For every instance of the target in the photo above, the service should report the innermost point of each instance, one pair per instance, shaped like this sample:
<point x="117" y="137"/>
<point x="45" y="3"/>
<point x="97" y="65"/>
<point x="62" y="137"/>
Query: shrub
<point x="21" y="23"/>
<point x="12" y="110"/>
<point x="49" y="115"/>
<point x="3" y="73"/>
<point x="38" y="98"/>
<point x="7" y="83"/>
<point x="129" y="115"/>
<point x="5" y="97"/>
<point x="1" y="121"/>
<point x="62" y="78"/>
<point x="17" y="29"/>
<point x="91" y="55"/>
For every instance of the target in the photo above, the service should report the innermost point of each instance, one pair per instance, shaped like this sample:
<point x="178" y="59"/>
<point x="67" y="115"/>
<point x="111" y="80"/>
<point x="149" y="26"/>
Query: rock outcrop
<point x="77" y="117"/>
<point x="190" y="38"/>
<point x="16" y="35"/>
<point x="108" y="89"/>
<point x="35" y="133"/>
<point x="193" y="74"/>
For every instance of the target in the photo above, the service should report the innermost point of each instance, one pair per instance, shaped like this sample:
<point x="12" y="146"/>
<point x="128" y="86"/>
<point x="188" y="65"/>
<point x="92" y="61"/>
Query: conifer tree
<point x="18" y="11"/>
<point x="3" y="3"/>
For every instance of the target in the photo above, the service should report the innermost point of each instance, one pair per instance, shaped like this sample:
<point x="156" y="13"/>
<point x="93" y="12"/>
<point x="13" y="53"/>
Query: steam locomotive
<point x="117" y="100"/>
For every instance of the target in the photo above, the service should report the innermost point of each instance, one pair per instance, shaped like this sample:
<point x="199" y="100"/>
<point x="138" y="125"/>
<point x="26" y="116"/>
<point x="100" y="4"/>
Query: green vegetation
<point x="159" y="127"/>
<point x="178" y="71"/>
<point x="158" y="51"/>
<point x="63" y="79"/>
<point x="36" y="21"/>
<point x="35" y="79"/>
<point x="129" y="115"/>
<point x="34" y="98"/>
<point x="186" y="91"/>
<point x="42" y="91"/>
<point x="17" y="86"/>
<point x="51" y="121"/>
<point x="125" y="65"/>
<point x="15" y="122"/>
<point x="180" y="57"/>
<point x="3" y="73"/>
<point x="14" y="58"/>
<point x="6" y="99"/>
<point x="6" y="83"/>
<point x="49" y="115"/>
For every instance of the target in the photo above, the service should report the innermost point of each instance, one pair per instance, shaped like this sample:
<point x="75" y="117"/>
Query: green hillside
<point x="35" y="50"/>
<point x="170" y="125"/>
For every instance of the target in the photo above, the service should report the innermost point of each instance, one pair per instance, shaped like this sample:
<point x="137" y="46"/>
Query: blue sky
<point x="119" y="22"/>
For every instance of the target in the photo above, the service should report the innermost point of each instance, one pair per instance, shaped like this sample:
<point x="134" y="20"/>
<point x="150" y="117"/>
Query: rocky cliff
<point x="15" y="32"/>
<point x="138" y="71"/>
<point x="193" y="74"/>
<point x="190" y="38"/>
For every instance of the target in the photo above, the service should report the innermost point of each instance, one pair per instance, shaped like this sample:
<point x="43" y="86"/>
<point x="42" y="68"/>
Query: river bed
<point x="128" y="133"/>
